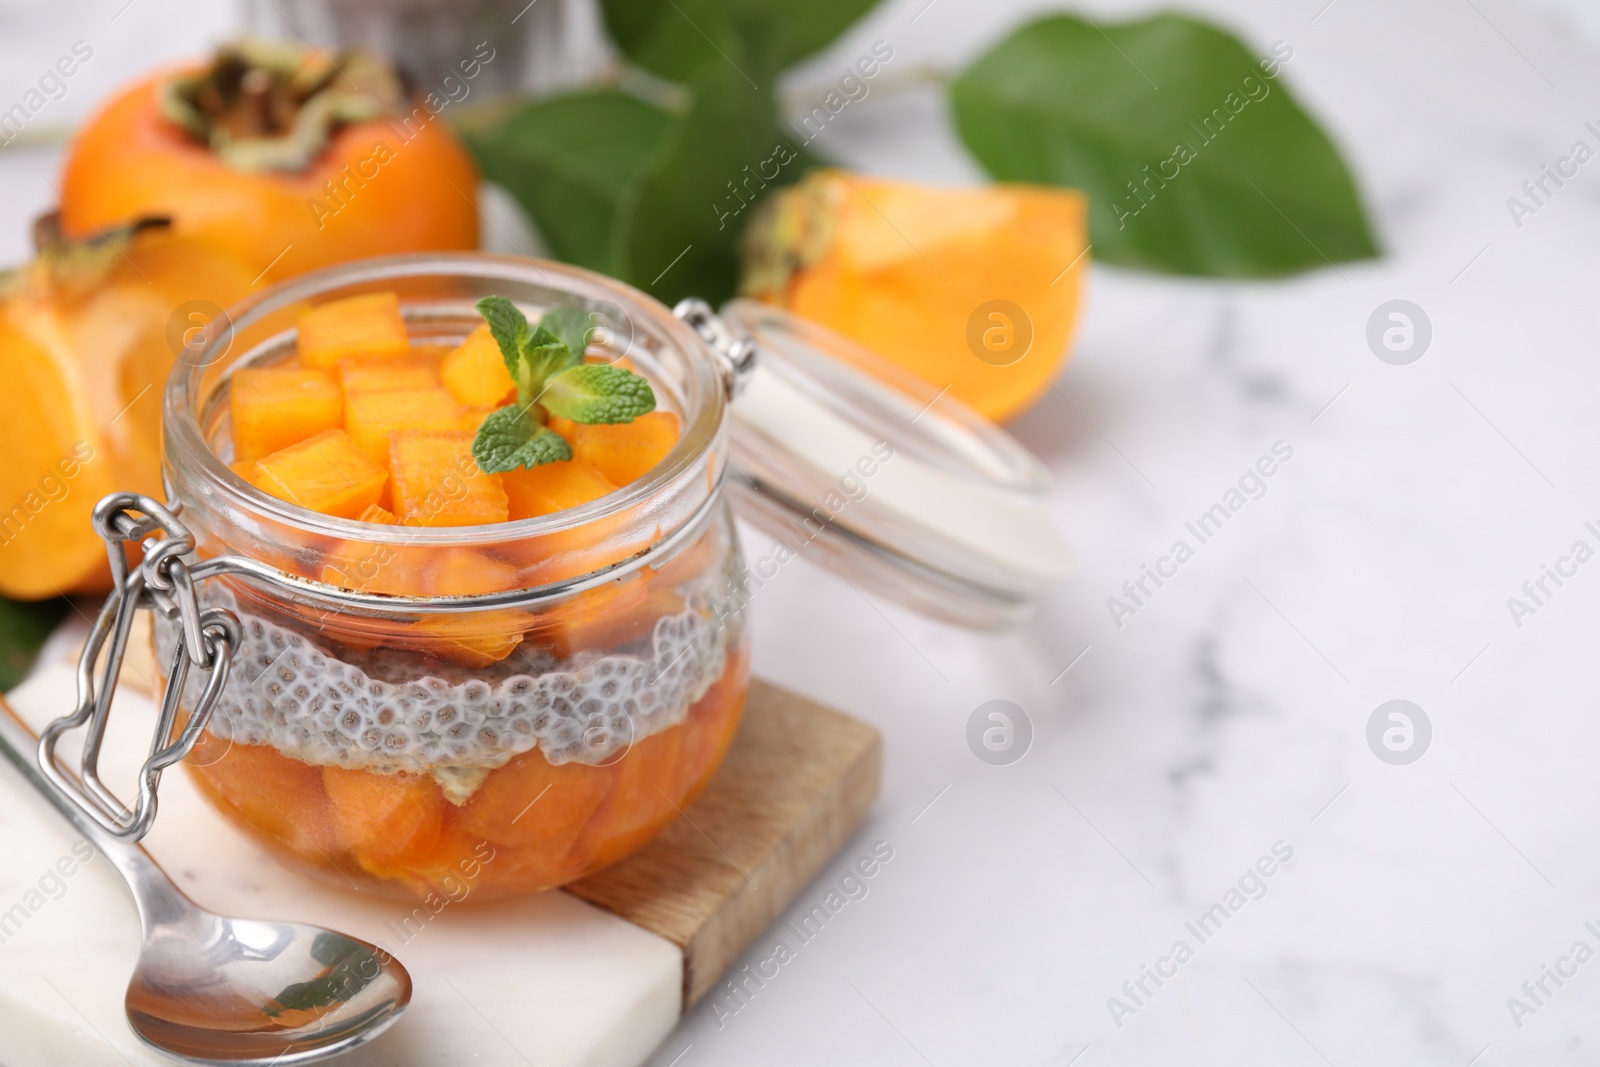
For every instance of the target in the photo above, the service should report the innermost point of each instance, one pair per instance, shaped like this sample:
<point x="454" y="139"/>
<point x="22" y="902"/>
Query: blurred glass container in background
<point x="539" y="46"/>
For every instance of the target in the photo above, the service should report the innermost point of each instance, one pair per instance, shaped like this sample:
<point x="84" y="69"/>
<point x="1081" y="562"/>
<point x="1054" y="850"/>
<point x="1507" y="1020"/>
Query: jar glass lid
<point x="890" y="482"/>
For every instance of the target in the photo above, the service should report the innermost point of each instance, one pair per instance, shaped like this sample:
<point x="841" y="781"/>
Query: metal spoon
<point x="213" y="990"/>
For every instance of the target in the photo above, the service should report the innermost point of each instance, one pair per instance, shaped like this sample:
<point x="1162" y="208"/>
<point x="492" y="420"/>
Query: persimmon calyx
<point x="788" y="231"/>
<point x="75" y="266"/>
<point x="264" y="106"/>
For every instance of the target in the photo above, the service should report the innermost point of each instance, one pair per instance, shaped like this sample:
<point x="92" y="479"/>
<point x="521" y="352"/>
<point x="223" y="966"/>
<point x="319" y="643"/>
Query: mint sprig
<point x="546" y="363"/>
<point x="510" y="438"/>
<point x="572" y="324"/>
<point x="596" y="392"/>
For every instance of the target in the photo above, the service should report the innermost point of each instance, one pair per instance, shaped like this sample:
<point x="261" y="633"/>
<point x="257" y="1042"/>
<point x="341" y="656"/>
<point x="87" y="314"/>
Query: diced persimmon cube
<point x="380" y="515"/>
<point x="476" y="639"/>
<point x="607" y="615"/>
<point x="535" y="807"/>
<point x="467" y="572"/>
<point x="371" y="417"/>
<point x="640" y="802"/>
<point x="361" y="566"/>
<point x="437" y="482"/>
<point x="472" y="418"/>
<point x="384" y="816"/>
<point x="622" y="451"/>
<point x="274" y="407"/>
<point x="247" y="469"/>
<point x="709" y="731"/>
<point x="476" y="371"/>
<point x="326" y="473"/>
<point x="368" y="325"/>
<point x="363" y="374"/>
<point x="593" y="546"/>
<point x="552" y="487"/>
<point x="276" y="795"/>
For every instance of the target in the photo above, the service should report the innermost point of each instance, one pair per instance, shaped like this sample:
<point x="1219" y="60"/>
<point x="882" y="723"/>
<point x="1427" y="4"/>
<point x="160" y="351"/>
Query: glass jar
<point x="503" y="708"/>
<point x="488" y="709"/>
<point x="449" y="53"/>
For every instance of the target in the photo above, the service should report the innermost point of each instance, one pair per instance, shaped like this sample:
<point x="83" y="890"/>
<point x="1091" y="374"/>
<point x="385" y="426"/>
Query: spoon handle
<point x="154" y="894"/>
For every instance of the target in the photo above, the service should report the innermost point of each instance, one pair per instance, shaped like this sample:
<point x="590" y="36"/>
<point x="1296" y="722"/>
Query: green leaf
<point x="23" y="629"/>
<point x="655" y="199"/>
<point x="598" y="392"/>
<point x="675" y="39"/>
<point x="570" y="161"/>
<point x="680" y="236"/>
<point x="573" y="325"/>
<point x="509" y="327"/>
<point x="511" y="438"/>
<point x="1195" y="160"/>
<point x="544" y="355"/>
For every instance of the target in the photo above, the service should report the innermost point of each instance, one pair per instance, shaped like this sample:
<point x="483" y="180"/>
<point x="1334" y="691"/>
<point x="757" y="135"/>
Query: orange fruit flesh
<point x="372" y="417"/>
<point x="438" y="483"/>
<point x="368" y="326"/>
<point x="374" y="374"/>
<point x="270" y="408"/>
<point x="528" y="827"/>
<point x="413" y="410"/>
<point x="552" y="487"/>
<point x="85" y="356"/>
<point x="327" y="473"/>
<point x="475" y="372"/>
<point x="622" y="452"/>
<point x="976" y="291"/>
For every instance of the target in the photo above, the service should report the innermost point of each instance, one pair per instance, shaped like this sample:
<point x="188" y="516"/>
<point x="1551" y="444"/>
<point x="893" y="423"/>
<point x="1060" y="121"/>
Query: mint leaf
<point x="509" y="327"/>
<point x="511" y="438"/>
<point x="532" y="354"/>
<point x="1195" y="159"/>
<point x="573" y="325"/>
<point x="598" y="392"/>
<point x="545" y="354"/>
<point x="546" y="362"/>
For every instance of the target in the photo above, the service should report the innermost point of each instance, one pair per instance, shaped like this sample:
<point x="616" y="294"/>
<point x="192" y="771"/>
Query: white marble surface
<point x="1230" y="713"/>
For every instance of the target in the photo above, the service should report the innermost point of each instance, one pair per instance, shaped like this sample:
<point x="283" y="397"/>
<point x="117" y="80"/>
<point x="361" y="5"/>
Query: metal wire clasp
<point x="161" y="582"/>
<point x="738" y="355"/>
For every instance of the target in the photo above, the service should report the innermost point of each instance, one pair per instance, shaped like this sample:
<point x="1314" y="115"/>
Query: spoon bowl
<point x="238" y="991"/>
<point x="213" y="990"/>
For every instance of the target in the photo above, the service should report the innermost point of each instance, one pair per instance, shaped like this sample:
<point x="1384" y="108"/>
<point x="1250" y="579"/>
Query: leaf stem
<point x="801" y="101"/>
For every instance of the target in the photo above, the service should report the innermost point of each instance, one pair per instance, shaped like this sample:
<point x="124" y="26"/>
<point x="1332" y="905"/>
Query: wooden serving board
<point x="596" y="974"/>
<point x="798" y="780"/>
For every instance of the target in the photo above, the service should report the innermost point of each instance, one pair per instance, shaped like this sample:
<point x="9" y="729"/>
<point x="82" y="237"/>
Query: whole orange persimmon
<point x="290" y="158"/>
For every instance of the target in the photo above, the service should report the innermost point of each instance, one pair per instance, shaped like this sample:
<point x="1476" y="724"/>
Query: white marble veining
<point x="1229" y="714"/>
